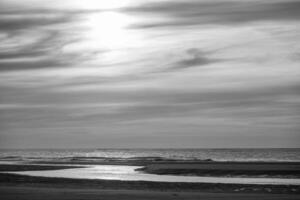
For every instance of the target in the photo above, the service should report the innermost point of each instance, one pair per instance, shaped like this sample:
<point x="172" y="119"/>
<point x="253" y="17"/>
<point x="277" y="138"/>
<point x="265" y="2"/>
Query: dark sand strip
<point x="22" y="180"/>
<point x="226" y="169"/>
<point x="38" y="193"/>
<point x="20" y="167"/>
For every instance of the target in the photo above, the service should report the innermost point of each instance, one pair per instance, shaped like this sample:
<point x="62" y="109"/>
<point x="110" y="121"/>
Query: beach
<point x="47" y="193"/>
<point x="254" y="169"/>
<point x="25" y="187"/>
<point x="68" y="193"/>
<point x="149" y="174"/>
<point x="17" y="186"/>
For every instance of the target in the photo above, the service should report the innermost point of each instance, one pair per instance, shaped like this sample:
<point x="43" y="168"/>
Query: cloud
<point x="186" y="13"/>
<point x="195" y="58"/>
<point x="26" y="44"/>
<point x="198" y="83"/>
<point x="15" y="21"/>
<point x="191" y="58"/>
<point x="35" y="40"/>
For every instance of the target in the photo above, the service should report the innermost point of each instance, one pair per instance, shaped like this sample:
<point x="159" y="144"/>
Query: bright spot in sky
<point x="108" y="33"/>
<point x="109" y="30"/>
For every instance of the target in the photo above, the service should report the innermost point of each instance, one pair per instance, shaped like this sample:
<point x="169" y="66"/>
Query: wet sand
<point x="21" y="187"/>
<point x="131" y="173"/>
<point x="24" y="180"/>
<point x="250" y="169"/>
<point x="67" y="193"/>
<point x="29" y="167"/>
<point x="197" y="168"/>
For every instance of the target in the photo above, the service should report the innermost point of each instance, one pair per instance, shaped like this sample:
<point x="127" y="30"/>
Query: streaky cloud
<point x="188" y="13"/>
<point x="195" y="58"/>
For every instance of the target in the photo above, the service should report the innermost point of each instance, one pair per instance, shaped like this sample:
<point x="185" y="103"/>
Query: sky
<point x="149" y="74"/>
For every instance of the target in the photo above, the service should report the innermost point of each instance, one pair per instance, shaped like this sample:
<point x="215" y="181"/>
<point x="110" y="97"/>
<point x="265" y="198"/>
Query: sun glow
<point x="109" y="31"/>
<point x="106" y="39"/>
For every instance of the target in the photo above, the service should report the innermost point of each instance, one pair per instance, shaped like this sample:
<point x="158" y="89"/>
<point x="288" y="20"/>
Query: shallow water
<point x="128" y="173"/>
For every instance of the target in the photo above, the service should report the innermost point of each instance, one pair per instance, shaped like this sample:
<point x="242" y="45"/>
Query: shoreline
<point x="10" y="178"/>
<point x="24" y="187"/>
<point x="174" y="167"/>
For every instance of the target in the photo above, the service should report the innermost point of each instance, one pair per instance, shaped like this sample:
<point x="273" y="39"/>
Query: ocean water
<point x="129" y="173"/>
<point x="291" y="155"/>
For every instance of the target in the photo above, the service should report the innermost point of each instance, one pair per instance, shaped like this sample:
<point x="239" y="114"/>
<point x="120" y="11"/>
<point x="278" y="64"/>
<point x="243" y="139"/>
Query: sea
<point x="287" y="155"/>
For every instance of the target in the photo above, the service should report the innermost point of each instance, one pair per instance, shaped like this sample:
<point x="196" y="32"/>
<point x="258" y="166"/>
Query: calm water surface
<point x="292" y="155"/>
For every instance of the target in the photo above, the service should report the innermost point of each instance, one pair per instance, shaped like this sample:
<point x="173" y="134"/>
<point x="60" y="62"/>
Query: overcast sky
<point x="159" y="73"/>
